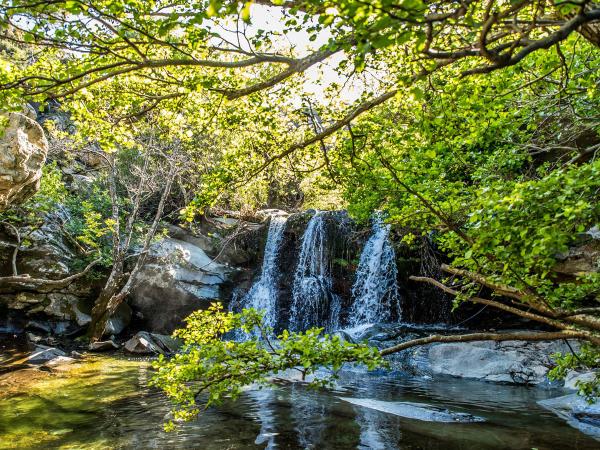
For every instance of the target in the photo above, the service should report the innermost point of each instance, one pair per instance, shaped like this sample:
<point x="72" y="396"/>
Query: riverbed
<point x="105" y="403"/>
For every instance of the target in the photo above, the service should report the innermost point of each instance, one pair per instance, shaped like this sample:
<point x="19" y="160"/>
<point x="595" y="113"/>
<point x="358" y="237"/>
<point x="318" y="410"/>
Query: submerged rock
<point x="144" y="343"/>
<point x="577" y="412"/>
<point x="416" y="411"/>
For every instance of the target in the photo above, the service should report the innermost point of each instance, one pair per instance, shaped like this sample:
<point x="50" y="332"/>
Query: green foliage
<point x="210" y="367"/>
<point x="456" y="164"/>
<point x="51" y="194"/>
<point x="588" y="358"/>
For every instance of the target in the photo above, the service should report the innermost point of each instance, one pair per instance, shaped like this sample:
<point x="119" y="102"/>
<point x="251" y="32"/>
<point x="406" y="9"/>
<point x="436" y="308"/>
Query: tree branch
<point x="498" y="337"/>
<point x="19" y="283"/>
<point x="498" y="305"/>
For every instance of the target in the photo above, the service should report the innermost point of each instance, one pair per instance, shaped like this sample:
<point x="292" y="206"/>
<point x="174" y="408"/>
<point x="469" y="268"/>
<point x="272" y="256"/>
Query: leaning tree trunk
<point x="100" y="310"/>
<point x="114" y="294"/>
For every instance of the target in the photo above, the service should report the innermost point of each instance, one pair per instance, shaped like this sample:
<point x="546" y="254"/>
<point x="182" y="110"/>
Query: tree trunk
<point x="100" y="314"/>
<point x="113" y="293"/>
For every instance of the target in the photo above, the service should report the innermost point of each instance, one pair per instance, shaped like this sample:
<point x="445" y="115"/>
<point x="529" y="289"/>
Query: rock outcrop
<point x="23" y="150"/>
<point x="506" y="362"/>
<point x="177" y="279"/>
<point x="49" y="257"/>
<point x="514" y="362"/>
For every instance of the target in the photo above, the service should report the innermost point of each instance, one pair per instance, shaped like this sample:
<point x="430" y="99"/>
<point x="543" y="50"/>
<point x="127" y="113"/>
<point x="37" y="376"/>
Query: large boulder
<point x="23" y="150"/>
<point x="177" y="279"/>
<point x="505" y="362"/>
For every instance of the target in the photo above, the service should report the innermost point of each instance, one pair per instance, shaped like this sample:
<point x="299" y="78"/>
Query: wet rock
<point x="507" y="362"/>
<point x="59" y="361"/>
<point x="23" y="150"/>
<point x="43" y="353"/>
<point x="178" y="278"/>
<point x="577" y="412"/>
<point x="103" y="346"/>
<point x="144" y="343"/>
<point x="416" y="411"/>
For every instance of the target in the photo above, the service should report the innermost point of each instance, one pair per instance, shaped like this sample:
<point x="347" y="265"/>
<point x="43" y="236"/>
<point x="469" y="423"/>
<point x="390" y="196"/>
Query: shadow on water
<point x="104" y="403"/>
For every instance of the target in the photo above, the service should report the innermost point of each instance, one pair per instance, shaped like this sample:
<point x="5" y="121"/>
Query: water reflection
<point x="266" y="416"/>
<point x="309" y="416"/>
<point x="376" y="430"/>
<point x="105" y="404"/>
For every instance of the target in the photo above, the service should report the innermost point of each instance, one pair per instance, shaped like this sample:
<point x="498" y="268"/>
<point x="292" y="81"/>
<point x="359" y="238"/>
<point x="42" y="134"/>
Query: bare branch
<point x="498" y="337"/>
<point x="26" y="283"/>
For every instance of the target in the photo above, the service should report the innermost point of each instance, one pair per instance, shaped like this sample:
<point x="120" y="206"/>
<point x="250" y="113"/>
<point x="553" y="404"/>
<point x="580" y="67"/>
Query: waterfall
<point x="375" y="290"/>
<point x="263" y="294"/>
<point x="313" y="303"/>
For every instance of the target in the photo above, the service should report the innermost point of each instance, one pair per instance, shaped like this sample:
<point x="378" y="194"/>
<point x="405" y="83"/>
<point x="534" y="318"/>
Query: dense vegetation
<point x="472" y="124"/>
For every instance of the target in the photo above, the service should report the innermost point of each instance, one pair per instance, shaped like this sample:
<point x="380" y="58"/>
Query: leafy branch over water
<point x="210" y="368"/>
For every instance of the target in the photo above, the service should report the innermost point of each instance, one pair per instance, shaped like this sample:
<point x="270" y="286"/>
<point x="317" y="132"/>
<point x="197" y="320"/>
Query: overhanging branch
<point x="498" y="337"/>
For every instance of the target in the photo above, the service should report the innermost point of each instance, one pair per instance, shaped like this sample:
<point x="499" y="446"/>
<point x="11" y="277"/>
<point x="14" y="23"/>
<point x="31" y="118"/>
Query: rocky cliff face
<point x="23" y="150"/>
<point x="49" y="257"/>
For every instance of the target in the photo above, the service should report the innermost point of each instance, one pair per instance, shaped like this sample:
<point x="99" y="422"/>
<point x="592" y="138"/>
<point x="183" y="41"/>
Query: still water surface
<point x="104" y="403"/>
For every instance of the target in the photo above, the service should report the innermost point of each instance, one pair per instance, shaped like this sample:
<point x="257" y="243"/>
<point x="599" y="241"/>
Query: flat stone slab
<point x="416" y="411"/>
<point x="577" y="412"/>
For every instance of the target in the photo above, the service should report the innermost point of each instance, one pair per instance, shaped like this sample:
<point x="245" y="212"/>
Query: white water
<point x="263" y="294"/>
<point x="313" y="303"/>
<point x="375" y="290"/>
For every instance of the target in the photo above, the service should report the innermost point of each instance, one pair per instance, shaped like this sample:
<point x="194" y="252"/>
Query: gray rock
<point x="577" y="412"/>
<point x="508" y="362"/>
<point x="119" y="320"/>
<point x="210" y="238"/>
<point x="59" y="361"/>
<point x="103" y="346"/>
<point x="416" y="411"/>
<point x="177" y="279"/>
<point x="23" y="150"/>
<point x="573" y="377"/>
<point x="43" y="353"/>
<point x="144" y="343"/>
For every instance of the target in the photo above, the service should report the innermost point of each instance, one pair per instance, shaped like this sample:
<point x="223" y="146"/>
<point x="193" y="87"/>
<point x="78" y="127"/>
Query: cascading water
<point x="375" y="290"/>
<point x="263" y="294"/>
<point x="313" y="302"/>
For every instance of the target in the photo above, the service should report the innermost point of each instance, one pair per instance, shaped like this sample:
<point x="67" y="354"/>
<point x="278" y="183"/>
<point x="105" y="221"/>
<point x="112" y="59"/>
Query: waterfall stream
<point x="313" y="302"/>
<point x="375" y="290"/>
<point x="263" y="294"/>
